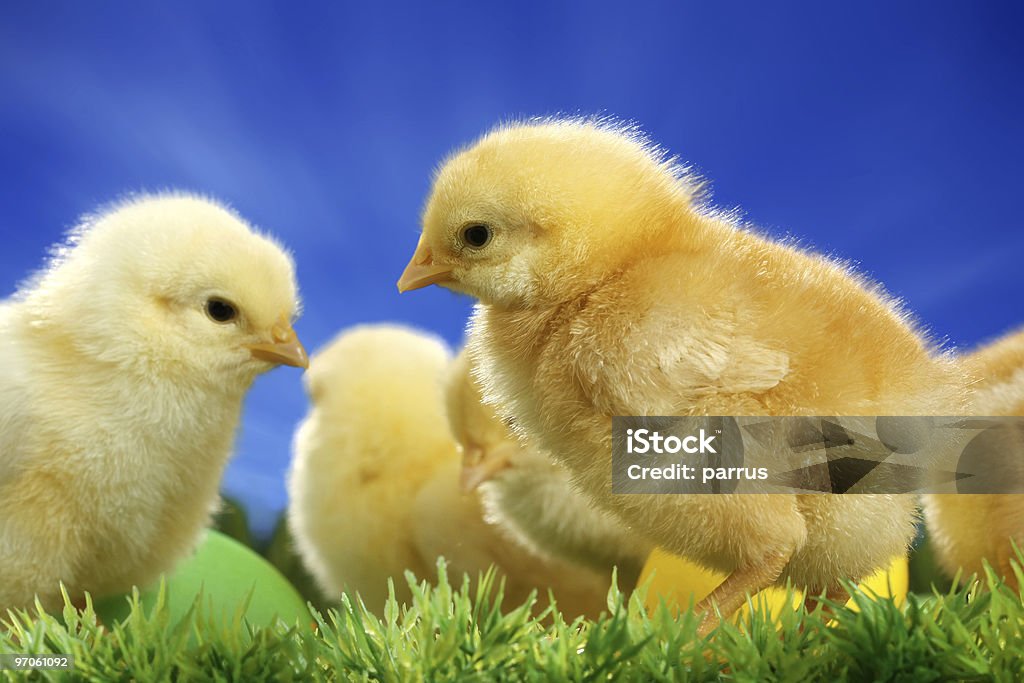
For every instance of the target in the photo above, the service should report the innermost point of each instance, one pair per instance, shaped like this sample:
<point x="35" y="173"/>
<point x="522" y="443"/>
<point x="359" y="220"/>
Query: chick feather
<point x="374" y="484"/>
<point x="533" y="498"/>
<point x="608" y="286"/>
<point x="120" y="396"/>
<point x="967" y="529"/>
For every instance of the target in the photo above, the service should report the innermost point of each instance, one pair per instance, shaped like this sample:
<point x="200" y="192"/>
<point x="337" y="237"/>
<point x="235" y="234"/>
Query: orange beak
<point x="480" y="465"/>
<point x="286" y="349"/>
<point x="421" y="270"/>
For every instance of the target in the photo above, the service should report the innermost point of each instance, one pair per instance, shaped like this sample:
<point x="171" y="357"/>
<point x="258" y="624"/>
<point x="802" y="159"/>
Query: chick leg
<point x="837" y="595"/>
<point x="732" y="593"/>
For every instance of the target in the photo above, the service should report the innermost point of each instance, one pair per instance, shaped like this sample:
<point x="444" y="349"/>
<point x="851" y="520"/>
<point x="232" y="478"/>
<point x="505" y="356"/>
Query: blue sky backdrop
<point x="891" y="135"/>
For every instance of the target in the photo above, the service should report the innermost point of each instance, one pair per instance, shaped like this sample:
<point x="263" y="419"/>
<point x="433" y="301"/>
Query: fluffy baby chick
<point x="966" y="529"/>
<point x="371" y="440"/>
<point x="374" y="485"/>
<point x="531" y="497"/>
<point x="1000" y="369"/>
<point x="605" y="289"/>
<point x="122" y="374"/>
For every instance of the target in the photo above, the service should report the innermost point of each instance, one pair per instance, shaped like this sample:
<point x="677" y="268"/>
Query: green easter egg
<point x="225" y="571"/>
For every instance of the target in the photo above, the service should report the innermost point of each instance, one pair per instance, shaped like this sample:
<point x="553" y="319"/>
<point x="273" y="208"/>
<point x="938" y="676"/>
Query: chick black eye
<point x="221" y="311"/>
<point x="476" y="235"/>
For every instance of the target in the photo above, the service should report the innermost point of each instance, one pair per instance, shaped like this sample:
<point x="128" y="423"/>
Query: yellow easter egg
<point x="678" y="582"/>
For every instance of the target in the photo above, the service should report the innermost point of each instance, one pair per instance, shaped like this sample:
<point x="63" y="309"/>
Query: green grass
<point x="456" y="632"/>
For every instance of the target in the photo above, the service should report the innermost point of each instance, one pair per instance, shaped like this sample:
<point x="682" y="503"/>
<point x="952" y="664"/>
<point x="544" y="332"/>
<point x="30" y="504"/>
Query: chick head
<point x="487" y="445"/>
<point x="537" y="211"/>
<point x="171" y="284"/>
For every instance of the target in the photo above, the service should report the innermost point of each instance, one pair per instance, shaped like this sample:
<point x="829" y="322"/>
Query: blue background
<point x="891" y="135"/>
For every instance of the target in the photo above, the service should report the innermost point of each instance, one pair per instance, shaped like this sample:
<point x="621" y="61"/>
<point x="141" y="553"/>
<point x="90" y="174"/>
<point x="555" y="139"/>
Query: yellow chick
<point x="122" y="374"/>
<point x="371" y="440"/>
<point x="967" y="528"/>
<point x="531" y="497"/>
<point x="374" y="485"/>
<point x="605" y="289"/>
<point x="1000" y="369"/>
